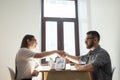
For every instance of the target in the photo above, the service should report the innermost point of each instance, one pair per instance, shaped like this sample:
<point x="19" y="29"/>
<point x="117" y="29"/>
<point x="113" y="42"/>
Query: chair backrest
<point x="113" y="69"/>
<point x="12" y="73"/>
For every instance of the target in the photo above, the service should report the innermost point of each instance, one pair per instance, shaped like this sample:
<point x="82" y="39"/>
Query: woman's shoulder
<point x="21" y="50"/>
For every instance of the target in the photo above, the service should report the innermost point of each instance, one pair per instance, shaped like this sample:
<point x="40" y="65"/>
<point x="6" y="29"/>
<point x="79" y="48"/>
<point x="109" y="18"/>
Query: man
<point x="97" y="61"/>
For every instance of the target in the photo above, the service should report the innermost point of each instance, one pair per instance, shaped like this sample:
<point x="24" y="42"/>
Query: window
<point x="55" y="8"/>
<point x="60" y="26"/>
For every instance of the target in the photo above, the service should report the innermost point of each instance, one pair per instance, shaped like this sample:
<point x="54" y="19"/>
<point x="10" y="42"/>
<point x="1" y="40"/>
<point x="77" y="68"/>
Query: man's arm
<point x="74" y="59"/>
<point x="86" y="67"/>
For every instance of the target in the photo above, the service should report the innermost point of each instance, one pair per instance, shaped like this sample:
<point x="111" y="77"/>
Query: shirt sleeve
<point x="83" y="59"/>
<point x="27" y="53"/>
<point x="101" y="59"/>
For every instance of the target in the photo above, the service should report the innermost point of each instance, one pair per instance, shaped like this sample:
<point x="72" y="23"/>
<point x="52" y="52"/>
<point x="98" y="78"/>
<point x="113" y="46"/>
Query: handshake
<point x="61" y="53"/>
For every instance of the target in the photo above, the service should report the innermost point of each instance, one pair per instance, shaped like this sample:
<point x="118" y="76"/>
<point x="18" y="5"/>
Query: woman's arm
<point x="45" y="54"/>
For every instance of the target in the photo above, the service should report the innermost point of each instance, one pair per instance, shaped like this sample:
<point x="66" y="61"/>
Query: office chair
<point x="12" y="73"/>
<point x="113" y="69"/>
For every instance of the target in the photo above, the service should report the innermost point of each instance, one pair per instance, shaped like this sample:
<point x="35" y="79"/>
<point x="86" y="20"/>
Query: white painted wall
<point x="104" y="16"/>
<point x="17" y="18"/>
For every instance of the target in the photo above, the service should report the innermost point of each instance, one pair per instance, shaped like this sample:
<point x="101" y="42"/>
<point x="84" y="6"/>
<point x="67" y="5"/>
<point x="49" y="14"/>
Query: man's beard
<point x="91" y="45"/>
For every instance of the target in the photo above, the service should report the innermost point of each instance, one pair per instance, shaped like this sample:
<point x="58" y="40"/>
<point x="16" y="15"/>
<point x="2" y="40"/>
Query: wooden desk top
<point x="66" y="75"/>
<point x="53" y="70"/>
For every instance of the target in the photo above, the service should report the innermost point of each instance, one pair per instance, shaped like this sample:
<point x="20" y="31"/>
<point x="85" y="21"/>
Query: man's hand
<point x="79" y="67"/>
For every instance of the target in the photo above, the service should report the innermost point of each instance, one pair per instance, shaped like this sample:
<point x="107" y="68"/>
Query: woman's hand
<point x="35" y="73"/>
<point x="61" y="53"/>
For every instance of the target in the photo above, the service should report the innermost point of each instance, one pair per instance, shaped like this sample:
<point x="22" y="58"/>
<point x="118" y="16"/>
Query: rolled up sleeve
<point x="83" y="59"/>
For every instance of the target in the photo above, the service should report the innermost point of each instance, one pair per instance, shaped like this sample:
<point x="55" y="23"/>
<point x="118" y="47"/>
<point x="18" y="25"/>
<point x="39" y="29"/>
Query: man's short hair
<point x="94" y="34"/>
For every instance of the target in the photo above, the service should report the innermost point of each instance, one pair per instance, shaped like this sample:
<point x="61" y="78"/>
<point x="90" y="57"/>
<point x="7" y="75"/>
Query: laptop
<point x="60" y="63"/>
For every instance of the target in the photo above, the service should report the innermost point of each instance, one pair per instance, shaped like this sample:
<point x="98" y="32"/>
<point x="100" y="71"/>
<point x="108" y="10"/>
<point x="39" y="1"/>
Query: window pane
<point x="83" y="17"/>
<point x="59" y="8"/>
<point x="69" y="38"/>
<point x="51" y="37"/>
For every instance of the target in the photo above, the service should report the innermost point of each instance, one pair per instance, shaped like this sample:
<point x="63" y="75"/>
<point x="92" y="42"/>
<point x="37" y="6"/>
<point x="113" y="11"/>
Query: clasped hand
<point x="61" y="53"/>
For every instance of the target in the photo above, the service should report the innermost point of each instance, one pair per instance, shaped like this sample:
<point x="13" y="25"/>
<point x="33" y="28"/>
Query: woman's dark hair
<point x="24" y="41"/>
<point x="94" y="34"/>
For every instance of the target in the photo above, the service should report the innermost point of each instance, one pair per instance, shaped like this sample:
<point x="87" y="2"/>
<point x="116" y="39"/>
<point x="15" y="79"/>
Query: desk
<point x="66" y="75"/>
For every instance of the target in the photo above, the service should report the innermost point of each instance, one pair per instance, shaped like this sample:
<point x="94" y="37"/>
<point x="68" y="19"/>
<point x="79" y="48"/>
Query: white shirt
<point x="25" y="63"/>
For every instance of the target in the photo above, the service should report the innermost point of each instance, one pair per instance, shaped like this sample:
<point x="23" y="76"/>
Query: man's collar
<point x="96" y="49"/>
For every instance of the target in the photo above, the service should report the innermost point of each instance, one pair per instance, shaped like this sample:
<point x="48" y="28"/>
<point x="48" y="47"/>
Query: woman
<point x="25" y="66"/>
